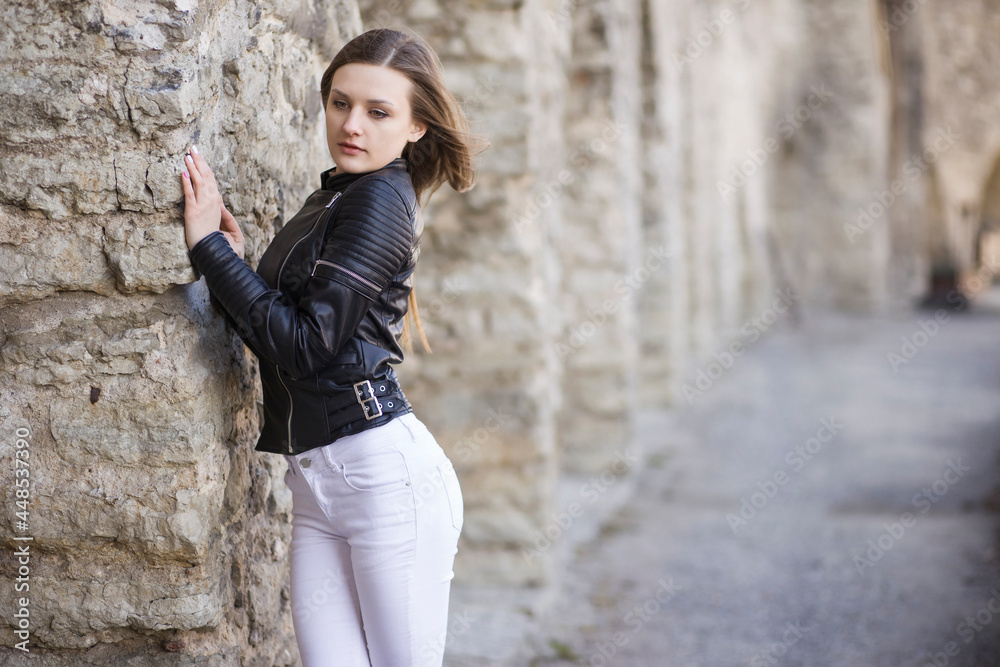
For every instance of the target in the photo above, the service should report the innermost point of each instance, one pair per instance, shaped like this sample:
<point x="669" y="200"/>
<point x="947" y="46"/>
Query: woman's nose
<point x="352" y="124"/>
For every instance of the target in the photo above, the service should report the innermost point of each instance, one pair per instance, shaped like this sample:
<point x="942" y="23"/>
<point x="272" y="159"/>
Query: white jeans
<point x="375" y="523"/>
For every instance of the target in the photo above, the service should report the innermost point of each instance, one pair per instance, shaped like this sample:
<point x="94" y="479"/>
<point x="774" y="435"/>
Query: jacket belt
<point x="370" y="399"/>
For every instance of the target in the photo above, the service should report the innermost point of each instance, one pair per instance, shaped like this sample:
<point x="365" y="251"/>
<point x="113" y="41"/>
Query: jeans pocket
<point x="454" y="493"/>
<point x="378" y="470"/>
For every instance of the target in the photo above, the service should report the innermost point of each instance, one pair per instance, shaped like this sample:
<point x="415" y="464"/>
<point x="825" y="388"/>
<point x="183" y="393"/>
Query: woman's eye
<point x="378" y="113"/>
<point x="340" y="104"/>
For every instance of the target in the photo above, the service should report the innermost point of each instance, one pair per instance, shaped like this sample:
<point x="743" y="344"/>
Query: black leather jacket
<point x="324" y="311"/>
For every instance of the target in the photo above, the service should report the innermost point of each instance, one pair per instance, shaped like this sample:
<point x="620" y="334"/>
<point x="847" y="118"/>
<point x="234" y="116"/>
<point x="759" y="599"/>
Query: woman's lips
<point x="350" y="148"/>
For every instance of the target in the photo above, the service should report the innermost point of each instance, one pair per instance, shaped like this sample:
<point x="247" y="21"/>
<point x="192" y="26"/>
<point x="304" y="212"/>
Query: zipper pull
<point x="317" y="263"/>
<point x="335" y="197"/>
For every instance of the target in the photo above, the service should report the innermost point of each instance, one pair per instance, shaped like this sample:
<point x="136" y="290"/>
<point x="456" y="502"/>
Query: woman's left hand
<point x="202" y="200"/>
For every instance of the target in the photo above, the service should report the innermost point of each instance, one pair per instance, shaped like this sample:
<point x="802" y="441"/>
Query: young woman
<point x="377" y="508"/>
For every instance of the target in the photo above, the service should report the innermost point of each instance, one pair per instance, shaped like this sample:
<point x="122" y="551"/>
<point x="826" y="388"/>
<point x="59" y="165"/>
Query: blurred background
<point x="702" y="228"/>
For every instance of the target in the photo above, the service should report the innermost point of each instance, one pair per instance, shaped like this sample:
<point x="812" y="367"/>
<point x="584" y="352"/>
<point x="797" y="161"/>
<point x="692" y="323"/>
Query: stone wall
<point x="159" y="537"/>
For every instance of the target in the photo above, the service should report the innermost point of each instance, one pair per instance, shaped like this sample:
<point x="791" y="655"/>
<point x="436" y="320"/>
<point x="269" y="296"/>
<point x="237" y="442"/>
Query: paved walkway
<point x="815" y="507"/>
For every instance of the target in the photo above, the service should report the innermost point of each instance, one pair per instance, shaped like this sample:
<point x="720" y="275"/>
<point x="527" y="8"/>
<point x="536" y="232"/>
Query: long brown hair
<point x="445" y="152"/>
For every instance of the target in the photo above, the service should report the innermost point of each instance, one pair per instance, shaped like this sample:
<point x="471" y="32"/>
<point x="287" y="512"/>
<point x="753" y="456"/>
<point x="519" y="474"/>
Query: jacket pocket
<point x="348" y="357"/>
<point x="347" y="277"/>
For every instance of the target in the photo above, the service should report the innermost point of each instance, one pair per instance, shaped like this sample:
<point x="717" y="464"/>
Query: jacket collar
<point x="332" y="180"/>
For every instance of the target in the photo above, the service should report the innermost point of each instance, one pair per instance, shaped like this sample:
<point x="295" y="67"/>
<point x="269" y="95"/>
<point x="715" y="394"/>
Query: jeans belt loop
<point x="366" y="397"/>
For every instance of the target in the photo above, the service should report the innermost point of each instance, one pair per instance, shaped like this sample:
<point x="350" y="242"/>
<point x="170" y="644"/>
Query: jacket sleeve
<point x="369" y="241"/>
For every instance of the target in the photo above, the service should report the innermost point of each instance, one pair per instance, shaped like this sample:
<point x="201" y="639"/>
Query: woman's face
<point x="368" y="118"/>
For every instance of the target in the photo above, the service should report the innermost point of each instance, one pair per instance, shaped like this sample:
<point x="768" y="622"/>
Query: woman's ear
<point x="418" y="130"/>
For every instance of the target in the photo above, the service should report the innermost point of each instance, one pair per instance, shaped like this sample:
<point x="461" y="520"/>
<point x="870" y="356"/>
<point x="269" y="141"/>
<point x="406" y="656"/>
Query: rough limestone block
<point x="147" y="253"/>
<point x="39" y="257"/>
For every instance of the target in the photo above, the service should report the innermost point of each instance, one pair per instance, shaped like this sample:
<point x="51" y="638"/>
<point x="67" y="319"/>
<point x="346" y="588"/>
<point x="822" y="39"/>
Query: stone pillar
<point x="158" y="535"/>
<point x="663" y="303"/>
<point x="604" y="268"/>
<point x="834" y="161"/>
<point x="901" y="35"/>
<point x="488" y="279"/>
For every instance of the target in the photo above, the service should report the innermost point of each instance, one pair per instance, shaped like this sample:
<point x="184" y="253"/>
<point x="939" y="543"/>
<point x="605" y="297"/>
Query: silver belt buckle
<point x="366" y="397"/>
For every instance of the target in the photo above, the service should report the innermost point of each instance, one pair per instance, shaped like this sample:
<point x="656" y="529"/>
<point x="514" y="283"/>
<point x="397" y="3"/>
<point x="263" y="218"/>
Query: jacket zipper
<point x="290" y="405"/>
<point x="277" y="370"/>
<point x="346" y="270"/>
<point x="311" y="230"/>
